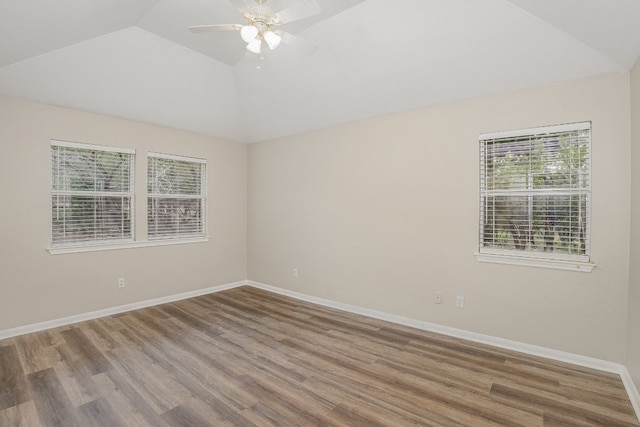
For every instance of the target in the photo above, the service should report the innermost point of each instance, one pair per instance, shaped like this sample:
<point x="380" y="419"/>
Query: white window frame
<point x="151" y="195"/>
<point x="80" y="245"/>
<point x="582" y="263"/>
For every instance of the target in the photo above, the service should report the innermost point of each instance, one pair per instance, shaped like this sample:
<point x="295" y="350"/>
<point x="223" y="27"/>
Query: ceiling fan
<point x="262" y="24"/>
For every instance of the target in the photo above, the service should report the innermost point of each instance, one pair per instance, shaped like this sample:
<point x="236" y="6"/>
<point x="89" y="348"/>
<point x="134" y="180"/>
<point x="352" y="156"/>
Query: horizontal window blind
<point x="535" y="192"/>
<point x="91" y="193"/>
<point x="176" y="196"/>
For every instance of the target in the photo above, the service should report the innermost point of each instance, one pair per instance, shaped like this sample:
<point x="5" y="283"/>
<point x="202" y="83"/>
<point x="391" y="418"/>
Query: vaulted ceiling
<point x="137" y="59"/>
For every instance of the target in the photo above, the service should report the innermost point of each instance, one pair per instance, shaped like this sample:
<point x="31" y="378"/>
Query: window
<point x="176" y="197"/>
<point x="91" y="194"/>
<point x="535" y="193"/>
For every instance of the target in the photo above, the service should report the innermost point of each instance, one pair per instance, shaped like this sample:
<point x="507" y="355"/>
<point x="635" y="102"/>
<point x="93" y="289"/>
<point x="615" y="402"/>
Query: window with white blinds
<point x="176" y="198"/>
<point x="535" y="192"/>
<point x="91" y="194"/>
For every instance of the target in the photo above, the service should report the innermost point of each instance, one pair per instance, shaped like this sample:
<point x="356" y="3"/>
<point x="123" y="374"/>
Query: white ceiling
<point x="137" y="59"/>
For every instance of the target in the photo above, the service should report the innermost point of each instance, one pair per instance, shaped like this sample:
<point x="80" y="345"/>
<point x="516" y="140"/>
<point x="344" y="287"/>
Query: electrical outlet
<point x="121" y="282"/>
<point x="438" y="298"/>
<point x="295" y="272"/>
<point x="459" y="302"/>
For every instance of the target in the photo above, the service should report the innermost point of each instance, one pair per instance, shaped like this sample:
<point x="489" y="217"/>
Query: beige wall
<point x="36" y="286"/>
<point x="379" y="213"/>
<point x="633" y="341"/>
<point x="382" y="213"/>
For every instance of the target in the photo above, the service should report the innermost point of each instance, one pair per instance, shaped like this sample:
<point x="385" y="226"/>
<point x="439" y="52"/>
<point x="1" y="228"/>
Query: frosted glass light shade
<point x="254" y="46"/>
<point x="248" y="33"/>
<point x="273" y="39"/>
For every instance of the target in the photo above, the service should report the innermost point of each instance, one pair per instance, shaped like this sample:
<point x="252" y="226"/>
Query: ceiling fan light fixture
<point x="261" y="23"/>
<point x="272" y="38"/>
<point x="254" y="46"/>
<point x="248" y="33"/>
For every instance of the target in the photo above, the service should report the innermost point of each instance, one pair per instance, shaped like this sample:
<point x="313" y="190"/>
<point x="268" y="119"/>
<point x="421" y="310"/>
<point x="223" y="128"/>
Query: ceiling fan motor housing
<point x="262" y="17"/>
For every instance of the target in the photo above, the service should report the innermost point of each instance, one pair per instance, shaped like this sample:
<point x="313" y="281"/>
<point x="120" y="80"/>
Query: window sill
<point x="124" y="245"/>
<point x="583" y="267"/>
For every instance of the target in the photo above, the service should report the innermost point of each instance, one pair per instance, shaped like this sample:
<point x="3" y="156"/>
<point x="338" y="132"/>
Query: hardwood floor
<point x="246" y="357"/>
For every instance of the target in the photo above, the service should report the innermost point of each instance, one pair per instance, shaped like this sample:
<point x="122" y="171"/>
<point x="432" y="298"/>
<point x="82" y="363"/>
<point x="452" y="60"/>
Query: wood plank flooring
<point x="246" y="357"/>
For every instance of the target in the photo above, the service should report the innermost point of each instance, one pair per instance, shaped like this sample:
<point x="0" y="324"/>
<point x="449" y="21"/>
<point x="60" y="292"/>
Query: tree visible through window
<point x="91" y="193"/>
<point x="176" y="196"/>
<point x="535" y="192"/>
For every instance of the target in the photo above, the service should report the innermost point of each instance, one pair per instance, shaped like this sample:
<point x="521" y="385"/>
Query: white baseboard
<point x="534" y="350"/>
<point x="21" y="330"/>
<point x="632" y="391"/>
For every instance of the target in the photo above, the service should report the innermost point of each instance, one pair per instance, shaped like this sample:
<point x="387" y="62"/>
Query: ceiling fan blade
<point x="300" y="10"/>
<point x="211" y="28"/>
<point x="298" y="43"/>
